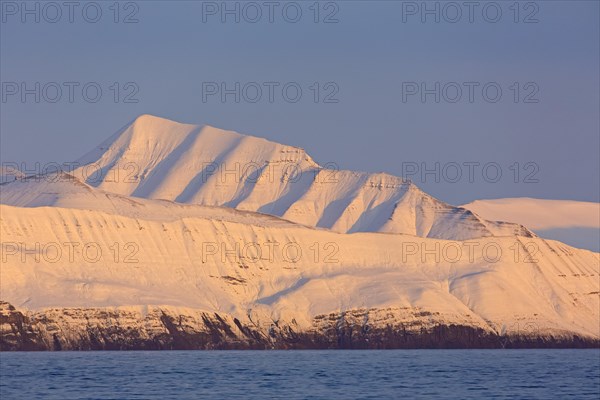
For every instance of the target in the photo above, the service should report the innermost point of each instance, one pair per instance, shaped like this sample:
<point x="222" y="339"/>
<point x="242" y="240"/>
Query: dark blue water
<point x="431" y="374"/>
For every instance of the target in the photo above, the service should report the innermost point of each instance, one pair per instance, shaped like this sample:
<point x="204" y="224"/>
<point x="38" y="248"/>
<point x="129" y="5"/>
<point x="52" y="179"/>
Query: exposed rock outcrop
<point x="161" y="329"/>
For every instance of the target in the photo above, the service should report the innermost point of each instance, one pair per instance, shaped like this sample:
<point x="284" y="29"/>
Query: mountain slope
<point x="66" y="191"/>
<point x="161" y="159"/>
<point x="267" y="272"/>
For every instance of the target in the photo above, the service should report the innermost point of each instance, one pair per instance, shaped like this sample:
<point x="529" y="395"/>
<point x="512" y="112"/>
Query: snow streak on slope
<point x="227" y="266"/>
<point x="65" y="191"/>
<point x="161" y="159"/>
<point x="574" y="222"/>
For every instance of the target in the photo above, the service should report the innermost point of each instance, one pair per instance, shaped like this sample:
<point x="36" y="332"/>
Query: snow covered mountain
<point x="9" y="173"/>
<point x="161" y="159"/>
<point x="576" y="223"/>
<point x="65" y="265"/>
<point x="145" y="255"/>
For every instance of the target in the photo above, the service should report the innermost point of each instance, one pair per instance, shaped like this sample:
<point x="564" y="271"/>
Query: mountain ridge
<point x="161" y="159"/>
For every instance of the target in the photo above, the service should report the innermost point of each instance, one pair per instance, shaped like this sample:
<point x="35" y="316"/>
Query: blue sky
<point x="546" y="126"/>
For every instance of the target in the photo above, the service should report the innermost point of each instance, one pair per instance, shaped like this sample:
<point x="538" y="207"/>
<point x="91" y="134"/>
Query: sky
<point x="490" y="100"/>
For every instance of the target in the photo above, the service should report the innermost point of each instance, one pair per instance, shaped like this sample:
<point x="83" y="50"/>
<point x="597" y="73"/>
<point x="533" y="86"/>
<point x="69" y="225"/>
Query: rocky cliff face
<point x="162" y="329"/>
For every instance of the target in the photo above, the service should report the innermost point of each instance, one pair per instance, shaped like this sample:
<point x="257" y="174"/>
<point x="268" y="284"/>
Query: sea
<point x="303" y="374"/>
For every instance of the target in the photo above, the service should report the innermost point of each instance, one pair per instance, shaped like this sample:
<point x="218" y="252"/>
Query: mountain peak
<point x="156" y="158"/>
<point x="155" y="124"/>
